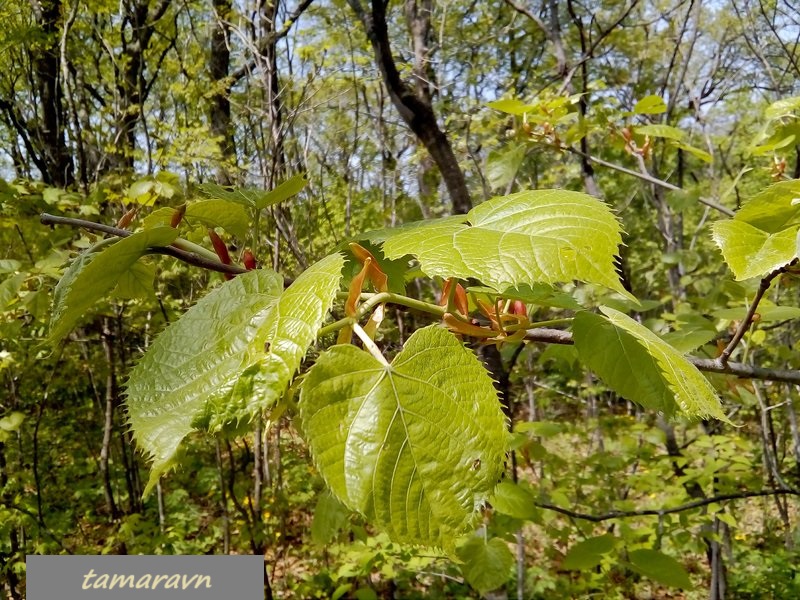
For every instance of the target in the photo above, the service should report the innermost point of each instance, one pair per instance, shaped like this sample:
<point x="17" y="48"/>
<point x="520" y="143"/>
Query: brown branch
<point x="751" y="312"/>
<point x="625" y="514"/>
<point x="191" y="258"/>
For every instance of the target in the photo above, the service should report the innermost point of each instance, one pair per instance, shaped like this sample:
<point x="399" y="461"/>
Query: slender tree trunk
<point x="108" y="424"/>
<point x="220" y="113"/>
<point x="417" y="114"/>
<point x="50" y="134"/>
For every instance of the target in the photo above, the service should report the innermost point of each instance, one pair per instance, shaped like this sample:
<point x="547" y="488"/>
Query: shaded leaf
<point x="232" y="217"/>
<point x="515" y="501"/>
<point x="9" y="289"/>
<point x="96" y="272"/>
<point x="660" y="567"/>
<point x="542" y="236"/>
<point x="415" y="446"/>
<point x="640" y="366"/>
<point x="588" y="553"/>
<point x="486" y="564"/>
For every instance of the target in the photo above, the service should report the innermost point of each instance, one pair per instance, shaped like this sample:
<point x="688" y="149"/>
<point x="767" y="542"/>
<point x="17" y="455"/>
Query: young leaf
<point x="512" y="106"/>
<point x="415" y="446"/>
<point x="650" y="105"/>
<point x="588" y="553"/>
<point x="640" y="366"/>
<point x="486" y="564"/>
<point x="502" y="166"/>
<point x="761" y="237"/>
<point x="95" y="273"/>
<point x="229" y="356"/>
<point x="660" y="567"/>
<point x="542" y="236"/>
<point x="511" y="499"/>
<point x="287" y="189"/>
<point x="661" y="131"/>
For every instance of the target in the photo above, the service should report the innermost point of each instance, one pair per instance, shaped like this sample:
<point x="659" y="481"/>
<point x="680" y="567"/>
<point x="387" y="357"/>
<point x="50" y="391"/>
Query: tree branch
<point x="189" y="257"/>
<point x="748" y="319"/>
<point x="710" y="365"/>
<point x="625" y="514"/>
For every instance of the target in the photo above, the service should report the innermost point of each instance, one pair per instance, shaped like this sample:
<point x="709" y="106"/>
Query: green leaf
<point x="228" y="357"/>
<point x="330" y="516"/>
<point x="245" y="197"/>
<point x="12" y="421"/>
<point x="661" y="131"/>
<point x="416" y="446"/>
<point x="752" y="252"/>
<point x="782" y="108"/>
<point x="93" y="274"/>
<point x="7" y="265"/>
<point x="696" y="152"/>
<point x="511" y="107"/>
<point x="774" y="208"/>
<point x="287" y="189"/>
<point x="542" y="236"/>
<point x="141" y="191"/>
<point x="588" y="553"/>
<point x="502" y="166"/>
<point x="136" y="282"/>
<point x="232" y="217"/>
<point x="650" y="105"/>
<point x="515" y="501"/>
<point x="762" y="236"/>
<point x="660" y="567"/>
<point x="768" y="312"/>
<point x="640" y="366"/>
<point x="486" y="564"/>
<point x="9" y="288"/>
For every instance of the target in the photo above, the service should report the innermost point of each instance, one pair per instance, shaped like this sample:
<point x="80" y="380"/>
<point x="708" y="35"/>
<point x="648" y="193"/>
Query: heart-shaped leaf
<point x="416" y="446"/>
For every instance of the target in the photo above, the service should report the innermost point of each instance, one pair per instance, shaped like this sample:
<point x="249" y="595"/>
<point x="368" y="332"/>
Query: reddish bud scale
<point x="126" y="219"/>
<point x="518" y="308"/>
<point x="221" y="249"/>
<point x="177" y="216"/>
<point x="249" y="260"/>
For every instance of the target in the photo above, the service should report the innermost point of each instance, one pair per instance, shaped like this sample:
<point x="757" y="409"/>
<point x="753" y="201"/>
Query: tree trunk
<point x="417" y="113"/>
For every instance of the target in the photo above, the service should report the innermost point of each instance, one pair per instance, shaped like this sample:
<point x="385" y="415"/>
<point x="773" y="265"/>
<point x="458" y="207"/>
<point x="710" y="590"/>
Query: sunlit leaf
<point x="650" y="105"/>
<point x="542" y="236"/>
<point x="416" y="446"/>
<point x="640" y="366"/>
<point x="228" y="357"/>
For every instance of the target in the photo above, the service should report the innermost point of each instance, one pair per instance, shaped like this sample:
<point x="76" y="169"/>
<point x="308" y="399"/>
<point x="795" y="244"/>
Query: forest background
<point x="368" y="115"/>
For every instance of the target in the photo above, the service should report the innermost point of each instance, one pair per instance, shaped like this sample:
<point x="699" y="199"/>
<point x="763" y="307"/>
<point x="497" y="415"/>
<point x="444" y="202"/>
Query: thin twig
<point x="624" y="514"/>
<point x="744" y="325"/>
<point x="650" y="179"/>
<point x="191" y="258"/>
